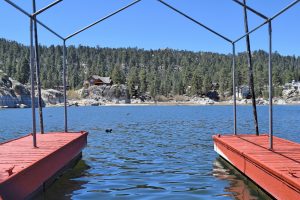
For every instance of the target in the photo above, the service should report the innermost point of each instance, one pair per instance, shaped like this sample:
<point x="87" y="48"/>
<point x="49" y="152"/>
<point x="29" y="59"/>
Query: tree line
<point x="159" y="72"/>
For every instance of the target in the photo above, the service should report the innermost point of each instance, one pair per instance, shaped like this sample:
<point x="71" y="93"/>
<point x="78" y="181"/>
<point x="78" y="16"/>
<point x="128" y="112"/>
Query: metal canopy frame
<point x="33" y="20"/>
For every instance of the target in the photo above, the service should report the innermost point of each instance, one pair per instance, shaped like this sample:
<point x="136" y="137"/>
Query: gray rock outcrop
<point x="52" y="96"/>
<point x="290" y="94"/>
<point x="107" y="93"/>
<point x="13" y="94"/>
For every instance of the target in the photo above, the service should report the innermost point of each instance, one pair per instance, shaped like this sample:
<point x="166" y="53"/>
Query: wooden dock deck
<point x="25" y="170"/>
<point x="276" y="171"/>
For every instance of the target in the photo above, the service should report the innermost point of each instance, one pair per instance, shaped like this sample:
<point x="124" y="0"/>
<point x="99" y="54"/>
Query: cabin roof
<point x="106" y="80"/>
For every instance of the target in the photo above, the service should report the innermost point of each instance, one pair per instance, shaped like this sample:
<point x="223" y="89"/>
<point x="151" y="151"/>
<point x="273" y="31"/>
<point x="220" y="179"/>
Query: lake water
<point x="153" y="152"/>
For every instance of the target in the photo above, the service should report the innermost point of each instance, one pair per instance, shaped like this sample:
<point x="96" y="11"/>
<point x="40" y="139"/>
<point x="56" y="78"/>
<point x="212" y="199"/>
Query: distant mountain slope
<point x="159" y="72"/>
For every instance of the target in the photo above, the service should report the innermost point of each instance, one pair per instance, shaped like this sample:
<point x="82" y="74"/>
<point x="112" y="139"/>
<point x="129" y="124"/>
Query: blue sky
<point x="151" y="25"/>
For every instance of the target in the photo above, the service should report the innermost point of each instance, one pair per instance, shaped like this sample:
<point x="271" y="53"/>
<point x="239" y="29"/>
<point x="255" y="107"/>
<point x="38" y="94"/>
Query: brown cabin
<point x="98" y="80"/>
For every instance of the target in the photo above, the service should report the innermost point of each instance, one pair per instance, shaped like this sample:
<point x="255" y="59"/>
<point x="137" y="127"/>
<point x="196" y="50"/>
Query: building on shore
<point x="98" y="80"/>
<point x="293" y="85"/>
<point x="243" y="92"/>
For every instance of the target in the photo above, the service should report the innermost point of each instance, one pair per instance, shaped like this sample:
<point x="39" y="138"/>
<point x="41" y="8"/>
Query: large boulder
<point x="4" y="80"/>
<point x="290" y="93"/>
<point x="202" y="101"/>
<point x="13" y="93"/>
<point x="294" y="99"/>
<point x="52" y="96"/>
<point x="23" y="95"/>
<point x="213" y="95"/>
<point x="8" y="98"/>
<point x="107" y="93"/>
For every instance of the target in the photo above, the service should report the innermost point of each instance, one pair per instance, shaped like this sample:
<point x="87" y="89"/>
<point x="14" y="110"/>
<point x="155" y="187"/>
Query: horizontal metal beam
<point x="284" y="9"/>
<point x="251" y="9"/>
<point x="18" y="8"/>
<point x="269" y="20"/>
<point x="102" y="19"/>
<point x="195" y="21"/>
<point x="30" y="16"/>
<point x="50" y="30"/>
<point x="46" y="8"/>
<point x="253" y="30"/>
<point x="209" y="29"/>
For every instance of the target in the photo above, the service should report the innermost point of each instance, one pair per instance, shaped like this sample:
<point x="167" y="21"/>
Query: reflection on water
<point x="153" y="152"/>
<point x="240" y="187"/>
<point x="66" y="184"/>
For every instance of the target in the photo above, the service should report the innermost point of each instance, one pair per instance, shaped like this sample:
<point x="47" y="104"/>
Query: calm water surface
<point x="153" y="152"/>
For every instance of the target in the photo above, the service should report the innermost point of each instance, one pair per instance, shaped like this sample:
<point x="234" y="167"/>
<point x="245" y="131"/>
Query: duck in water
<point x="108" y="130"/>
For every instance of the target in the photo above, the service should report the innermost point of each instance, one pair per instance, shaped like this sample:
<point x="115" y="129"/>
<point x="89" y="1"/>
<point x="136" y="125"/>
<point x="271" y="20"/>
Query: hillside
<point x="159" y="72"/>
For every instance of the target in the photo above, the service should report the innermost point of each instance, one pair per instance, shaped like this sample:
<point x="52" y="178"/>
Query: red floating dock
<point x="25" y="170"/>
<point x="277" y="171"/>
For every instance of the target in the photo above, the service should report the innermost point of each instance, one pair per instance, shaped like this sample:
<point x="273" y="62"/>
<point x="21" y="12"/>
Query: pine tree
<point x="23" y="71"/>
<point x="196" y="83"/>
<point x="143" y="80"/>
<point x="117" y="75"/>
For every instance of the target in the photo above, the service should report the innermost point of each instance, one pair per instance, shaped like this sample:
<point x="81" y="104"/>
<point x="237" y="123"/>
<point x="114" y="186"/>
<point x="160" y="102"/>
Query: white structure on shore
<point x="243" y="92"/>
<point x="293" y="85"/>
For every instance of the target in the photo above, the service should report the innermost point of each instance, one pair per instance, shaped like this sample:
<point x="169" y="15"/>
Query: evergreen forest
<point x="164" y="72"/>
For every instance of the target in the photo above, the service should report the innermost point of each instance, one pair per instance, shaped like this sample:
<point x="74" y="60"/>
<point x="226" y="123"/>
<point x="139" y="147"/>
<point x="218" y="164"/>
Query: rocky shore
<point x="16" y="95"/>
<point x="118" y="95"/>
<point x="192" y="101"/>
<point x="13" y="94"/>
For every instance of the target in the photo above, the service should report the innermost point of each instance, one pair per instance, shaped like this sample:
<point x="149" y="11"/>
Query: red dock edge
<point x="277" y="171"/>
<point x="25" y="170"/>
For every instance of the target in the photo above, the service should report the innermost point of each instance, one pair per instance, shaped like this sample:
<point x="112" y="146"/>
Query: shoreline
<point x="221" y="103"/>
<point x="195" y="104"/>
<point x="90" y="102"/>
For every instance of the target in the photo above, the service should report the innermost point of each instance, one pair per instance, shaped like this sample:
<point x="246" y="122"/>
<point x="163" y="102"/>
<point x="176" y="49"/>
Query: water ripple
<point x="155" y="152"/>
